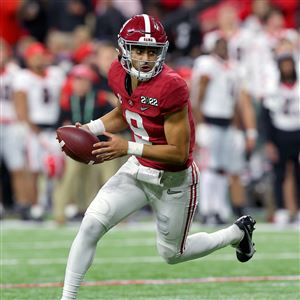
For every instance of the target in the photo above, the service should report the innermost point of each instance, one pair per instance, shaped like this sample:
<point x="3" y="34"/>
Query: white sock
<point x="71" y="285"/>
<point x="202" y="244"/>
<point x="81" y="255"/>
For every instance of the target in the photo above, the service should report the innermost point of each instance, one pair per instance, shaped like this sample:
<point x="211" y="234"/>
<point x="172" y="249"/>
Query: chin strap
<point x="145" y="76"/>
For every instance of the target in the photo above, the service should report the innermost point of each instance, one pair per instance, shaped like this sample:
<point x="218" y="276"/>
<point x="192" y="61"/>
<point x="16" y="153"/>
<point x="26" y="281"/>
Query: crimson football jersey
<point x="147" y="106"/>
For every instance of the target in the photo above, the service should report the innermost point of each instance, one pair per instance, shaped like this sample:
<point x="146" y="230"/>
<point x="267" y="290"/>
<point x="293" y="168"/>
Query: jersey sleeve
<point x="21" y="82"/>
<point x="272" y="102"/>
<point x="176" y="96"/>
<point x="205" y="66"/>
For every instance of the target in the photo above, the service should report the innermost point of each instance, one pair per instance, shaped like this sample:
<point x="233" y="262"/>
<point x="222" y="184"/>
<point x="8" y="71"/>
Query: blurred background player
<point x="65" y="16"/>
<point x="261" y="72"/>
<point x="82" y="104"/>
<point x="255" y="20"/>
<point x="215" y="95"/>
<point x="229" y="28"/>
<point x="37" y="91"/>
<point x="12" y="132"/>
<point x="105" y="54"/>
<point x="281" y="118"/>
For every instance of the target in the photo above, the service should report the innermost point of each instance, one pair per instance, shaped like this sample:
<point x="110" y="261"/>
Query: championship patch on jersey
<point x="149" y="101"/>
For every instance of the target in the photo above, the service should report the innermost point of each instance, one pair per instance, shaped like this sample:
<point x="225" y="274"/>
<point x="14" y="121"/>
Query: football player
<point x="36" y="93"/>
<point x="281" y="119"/>
<point x="11" y="135"/>
<point x="215" y="94"/>
<point x="154" y="105"/>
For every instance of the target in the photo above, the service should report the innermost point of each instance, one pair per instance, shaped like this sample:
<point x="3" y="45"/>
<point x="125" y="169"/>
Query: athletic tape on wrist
<point x="96" y="127"/>
<point x="135" y="148"/>
<point x="251" y="133"/>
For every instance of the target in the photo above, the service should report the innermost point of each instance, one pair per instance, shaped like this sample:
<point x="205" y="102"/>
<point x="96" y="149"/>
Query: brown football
<point x="77" y="143"/>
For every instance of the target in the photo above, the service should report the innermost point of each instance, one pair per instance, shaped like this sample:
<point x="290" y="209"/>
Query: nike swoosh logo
<point x="170" y="192"/>
<point x="144" y="108"/>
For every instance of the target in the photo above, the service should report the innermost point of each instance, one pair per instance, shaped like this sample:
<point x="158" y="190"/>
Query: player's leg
<point x="288" y="150"/>
<point x="117" y="199"/>
<point x="81" y="255"/>
<point x="237" y="195"/>
<point x="297" y="180"/>
<point x="214" y="181"/>
<point x="281" y="215"/>
<point x="213" y="195"/>
<point x="291" y="183"/>
<point x="34" y="186"/>
<point x="15" y="164"/>
<point x="235" y="165"/>
<point x="174" y="213"/>
<point x="14" y="157"/>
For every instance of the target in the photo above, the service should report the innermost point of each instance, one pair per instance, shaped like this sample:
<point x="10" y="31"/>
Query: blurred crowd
<point x="240" y="60"/>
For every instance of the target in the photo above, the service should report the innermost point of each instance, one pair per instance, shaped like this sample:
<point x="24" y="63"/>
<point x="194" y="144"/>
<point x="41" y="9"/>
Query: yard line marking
<point x="120" y="242"/>
<point x="131" y="226"/>
<point x="67" y="244"/>
<point x="142" y="259"/>
<point x="157" y="281"/>
<point x="9" y="262"/>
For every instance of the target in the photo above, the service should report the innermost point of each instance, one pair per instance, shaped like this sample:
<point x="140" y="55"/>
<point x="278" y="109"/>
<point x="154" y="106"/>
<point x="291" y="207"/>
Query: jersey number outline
<point x="135" y="122"/>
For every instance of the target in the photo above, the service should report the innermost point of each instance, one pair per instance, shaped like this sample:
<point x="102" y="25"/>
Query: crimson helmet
<point x="142" y="30"/>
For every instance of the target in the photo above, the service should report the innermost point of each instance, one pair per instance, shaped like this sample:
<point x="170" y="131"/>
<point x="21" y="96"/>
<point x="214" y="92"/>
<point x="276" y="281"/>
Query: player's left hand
<point x="115" y="147"/>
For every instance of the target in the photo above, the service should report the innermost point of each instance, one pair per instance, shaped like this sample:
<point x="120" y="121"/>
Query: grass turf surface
<point x="38" y="255"/>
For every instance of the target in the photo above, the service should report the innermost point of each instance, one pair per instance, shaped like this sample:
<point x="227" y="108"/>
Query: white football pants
<point x="174" y="203"/>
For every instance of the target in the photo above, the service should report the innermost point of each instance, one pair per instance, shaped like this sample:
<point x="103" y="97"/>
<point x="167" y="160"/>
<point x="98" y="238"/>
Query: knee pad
<point x="91" y="228"/>
<point x="168" y="252"/>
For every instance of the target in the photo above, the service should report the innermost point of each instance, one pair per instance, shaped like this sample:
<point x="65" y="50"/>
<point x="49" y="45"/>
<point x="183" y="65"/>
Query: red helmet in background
<point x="142" y="30"/>
<point x="35" y="48"/>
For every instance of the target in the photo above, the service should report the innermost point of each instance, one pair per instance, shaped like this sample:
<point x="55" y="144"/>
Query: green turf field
<point x="37" y="255"/>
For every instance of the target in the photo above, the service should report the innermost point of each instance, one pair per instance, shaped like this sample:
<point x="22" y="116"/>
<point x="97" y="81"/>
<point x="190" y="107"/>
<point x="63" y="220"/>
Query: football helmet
<point x="142" y="30"/>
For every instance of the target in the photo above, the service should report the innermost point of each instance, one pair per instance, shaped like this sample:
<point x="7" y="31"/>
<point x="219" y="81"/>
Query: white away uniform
<point x="43" y="95"/>
<point x="11" y="133"/>
<point x="221" y="145"/>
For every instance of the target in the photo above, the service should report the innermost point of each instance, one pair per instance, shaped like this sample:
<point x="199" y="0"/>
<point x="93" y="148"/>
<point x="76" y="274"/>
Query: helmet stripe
<point x="147" y="25"/>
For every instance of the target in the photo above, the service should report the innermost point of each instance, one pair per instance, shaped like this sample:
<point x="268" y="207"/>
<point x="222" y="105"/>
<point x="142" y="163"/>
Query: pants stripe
<point x="192" y="206"/>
